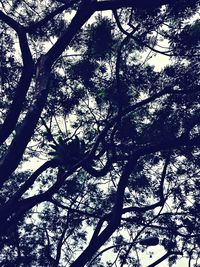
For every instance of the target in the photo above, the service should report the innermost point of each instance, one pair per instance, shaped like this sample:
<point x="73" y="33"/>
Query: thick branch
<point x="13" y="157"/>
<point x="118" y="207"/>
<point x="21" y="207"/>
<point x="25" y="205"/>
<point x="28" y="184"/>
<point x="99" y="239"/>
<point x="83" y="14"/>
<point x="10" y="21"/>
<point x="93" y="247"/>
<point x="11" y="160"/>
<point x="24" y="82"/>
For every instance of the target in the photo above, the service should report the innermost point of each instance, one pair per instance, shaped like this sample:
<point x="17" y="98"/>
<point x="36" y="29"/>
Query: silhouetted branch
<point x="23" y="85"/>
<point x="34" y="25"/>
<point x="140" y="4"/>
<point x="164" y="257"/>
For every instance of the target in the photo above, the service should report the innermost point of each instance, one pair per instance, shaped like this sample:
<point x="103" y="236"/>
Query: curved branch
<point x="98" y="173"/>
<point x="13" y="157"/>
<point x="33" y="26"/>
<point x="164" y="257"/>
<point x="48" y="164"/>
<point x="19" y="208"/>
<point x="165" y="53"/>
<point x="142" y="209"/>
<point x="120" y="26"/>
<point x="10" y="206"/>
<point x="108" y="248"/>
<point x="99" y="239"/>
<point x="24" y="82"/>
<point x="10" y="21"/>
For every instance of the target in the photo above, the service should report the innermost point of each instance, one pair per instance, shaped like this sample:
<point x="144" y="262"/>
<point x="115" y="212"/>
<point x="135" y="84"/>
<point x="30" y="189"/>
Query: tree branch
<point x="165" y="53"/>
<point x="59" y="247"/>
<point x="97" y="173"/>
<point x="140" y="4"/>
<point x="164" y="257"/>
<point x="161" y="187"/>
<point x="11" y="202"/>
<point x="24" y="82"/>
<point x="10" y="22"/>
<point x="83" y="213"/>
<point x="99" y="239"/>
<point x="11" y="160"/>
<point x="118" y="207"/>
<point x="82" y="15"/>
<point x="33" y="26"/>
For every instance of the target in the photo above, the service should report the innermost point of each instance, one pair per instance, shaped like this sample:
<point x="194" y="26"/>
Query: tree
<point x="118" y="138"/>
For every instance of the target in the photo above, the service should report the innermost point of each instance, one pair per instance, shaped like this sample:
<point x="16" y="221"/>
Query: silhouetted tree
<point x="84" y="91"/>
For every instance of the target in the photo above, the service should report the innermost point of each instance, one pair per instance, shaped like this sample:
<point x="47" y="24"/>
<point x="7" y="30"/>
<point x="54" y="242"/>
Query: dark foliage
<point x="85" y="95"/>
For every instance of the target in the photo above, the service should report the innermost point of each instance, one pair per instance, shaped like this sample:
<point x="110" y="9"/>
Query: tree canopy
<point x="84" y="91"/>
